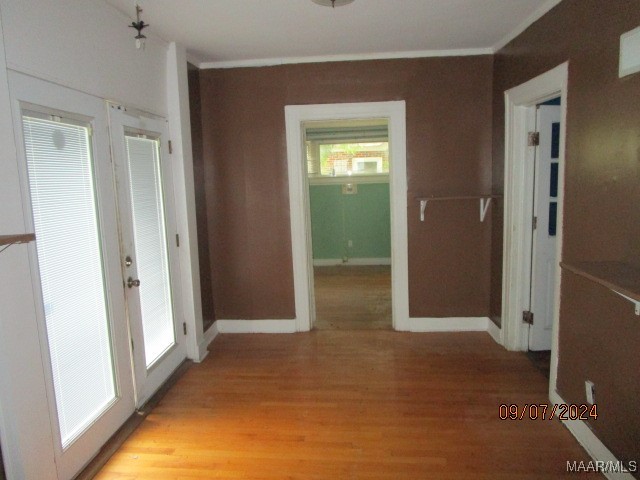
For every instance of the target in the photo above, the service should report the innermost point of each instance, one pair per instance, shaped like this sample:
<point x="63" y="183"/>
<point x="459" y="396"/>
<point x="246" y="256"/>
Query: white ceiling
<point x="223" y="33"/>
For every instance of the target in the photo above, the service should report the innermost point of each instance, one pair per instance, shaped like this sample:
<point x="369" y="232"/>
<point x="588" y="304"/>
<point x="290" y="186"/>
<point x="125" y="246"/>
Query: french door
<point x="103" y="263"/>
<point x="545" y="241"/>
<point x="148" y="237"/>
<point x="70" y="204"/>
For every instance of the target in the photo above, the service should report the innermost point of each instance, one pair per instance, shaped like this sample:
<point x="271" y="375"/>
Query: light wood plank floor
<point x="350" y="405"/>
<point x="353" y="297"/>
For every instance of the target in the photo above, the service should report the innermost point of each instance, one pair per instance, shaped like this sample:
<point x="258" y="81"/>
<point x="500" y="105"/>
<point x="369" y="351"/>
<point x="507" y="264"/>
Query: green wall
<point x="363" y="218"/>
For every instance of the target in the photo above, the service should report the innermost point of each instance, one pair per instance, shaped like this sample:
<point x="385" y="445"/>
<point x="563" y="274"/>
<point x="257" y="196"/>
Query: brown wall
<point x="449" y="103"/>
<point x="599" y="335"/>
<point x="208" y="315"/>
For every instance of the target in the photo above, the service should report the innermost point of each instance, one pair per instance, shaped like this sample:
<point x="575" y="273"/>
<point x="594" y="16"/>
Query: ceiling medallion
<point x="332" y="3"/>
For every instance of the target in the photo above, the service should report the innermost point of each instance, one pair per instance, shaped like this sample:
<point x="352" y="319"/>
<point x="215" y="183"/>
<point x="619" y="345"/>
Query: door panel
<point x="544" y="254"/>
<point x="148" y="247"/>
<point x="70" y="203"/>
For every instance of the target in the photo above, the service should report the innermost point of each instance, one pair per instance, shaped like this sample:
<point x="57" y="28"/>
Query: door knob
<point x="132" y="283"/>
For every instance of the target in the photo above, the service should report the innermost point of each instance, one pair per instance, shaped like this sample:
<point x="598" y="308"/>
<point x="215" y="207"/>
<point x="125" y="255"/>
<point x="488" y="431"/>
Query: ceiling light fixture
<point x="139" y="25"/>
<point x="332" y="3"/>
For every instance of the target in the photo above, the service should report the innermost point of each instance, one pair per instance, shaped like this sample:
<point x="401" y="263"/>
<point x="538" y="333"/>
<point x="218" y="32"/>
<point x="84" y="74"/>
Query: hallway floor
<point x="353" y="297"/>
<point x="350" y="405"/>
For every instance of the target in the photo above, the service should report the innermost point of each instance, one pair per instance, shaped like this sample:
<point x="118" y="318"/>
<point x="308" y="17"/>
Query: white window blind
<point x="150" y="245"/>
<point x="61" y="182"/>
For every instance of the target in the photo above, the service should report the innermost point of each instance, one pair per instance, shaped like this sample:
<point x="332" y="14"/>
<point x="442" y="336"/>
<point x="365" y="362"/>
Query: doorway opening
<point x="296" y="116"/>
<point x="544" y="251"/>
<point x="349" y="209"/>
<point x="531" y="277"/>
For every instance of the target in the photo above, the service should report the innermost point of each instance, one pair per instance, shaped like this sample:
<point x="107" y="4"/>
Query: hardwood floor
<point x="350" y="405"/>
<point x="353" y="297"/>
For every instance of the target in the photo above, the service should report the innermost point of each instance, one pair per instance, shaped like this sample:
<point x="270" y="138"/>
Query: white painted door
<point x="544" y="252"/>
<point x="149" y="243"/>
<point x="70" y="204"/>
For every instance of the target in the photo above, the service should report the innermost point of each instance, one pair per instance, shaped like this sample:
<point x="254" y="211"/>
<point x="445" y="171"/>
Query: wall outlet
<point x="350" y="243"/>
<point x="590" y="389"/>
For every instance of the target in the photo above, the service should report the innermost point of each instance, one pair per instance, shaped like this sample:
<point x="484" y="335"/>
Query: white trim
<point x="185" y="200"/>
<point x="495" y="332"/>
<point x="589" y="441"/>
<point x="530" y="20"/>
<point x="518" y="197"/>
<point x="448" y="324"/>
<point x="269" y="62"/>
<point x="207" y="338"/>
<point x="256" y="326"/>
<point x="330" y="262"/>
<point x="395" y="112"/>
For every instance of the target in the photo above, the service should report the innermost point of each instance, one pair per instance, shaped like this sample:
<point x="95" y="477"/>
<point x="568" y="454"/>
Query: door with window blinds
<point x="149" y="247"/>
<point x="70" y="205"/>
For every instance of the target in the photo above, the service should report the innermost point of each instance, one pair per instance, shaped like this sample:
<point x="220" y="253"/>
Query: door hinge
<point x="132" y="348"/>
<point x="527" y="317"/>
<point x="534" y="139"/>
<point x="170" y="147"/>
<point x="177" y="240"/>
<point x="535" y="222"/>
<point x="184" y="327"/>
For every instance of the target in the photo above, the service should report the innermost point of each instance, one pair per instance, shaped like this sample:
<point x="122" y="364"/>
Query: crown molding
<point x="268" y="62"/>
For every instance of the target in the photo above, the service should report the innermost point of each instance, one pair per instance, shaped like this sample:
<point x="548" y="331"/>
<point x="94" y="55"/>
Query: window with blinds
<point x="65" y="215"/>
<point x="150" y="241"/>
<point x="347" y="159"/>
<point x="345" y="148"/>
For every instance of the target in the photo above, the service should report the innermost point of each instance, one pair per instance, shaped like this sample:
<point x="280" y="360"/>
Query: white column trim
<point x="180" y="135"/>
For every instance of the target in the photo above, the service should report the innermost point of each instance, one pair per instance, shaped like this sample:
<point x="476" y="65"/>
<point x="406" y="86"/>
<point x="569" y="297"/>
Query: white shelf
<point x="485" y="201"/>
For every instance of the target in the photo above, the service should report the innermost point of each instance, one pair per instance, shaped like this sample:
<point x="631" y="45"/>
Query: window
<point x="347" y="159"/>
<point x="371" y="165"/>
<point x="150" y="239"/>
<point x="63" y="198"/>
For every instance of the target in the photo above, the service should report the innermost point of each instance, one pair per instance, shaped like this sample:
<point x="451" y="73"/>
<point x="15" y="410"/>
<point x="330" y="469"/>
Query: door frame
<point x="121" y="119"/>
<point x="295" y="115"/>
<point x="520" y="117"/>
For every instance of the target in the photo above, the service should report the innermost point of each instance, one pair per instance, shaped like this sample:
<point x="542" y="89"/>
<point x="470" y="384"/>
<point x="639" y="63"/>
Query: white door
<point x="148" y="247"/>
<point x="70" y="204"/>
<point x="545" y="254"/>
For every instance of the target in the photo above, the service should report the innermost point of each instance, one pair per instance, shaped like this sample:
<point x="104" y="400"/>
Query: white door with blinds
<point x="70" y="205"/>
<point x="149" y="243"/>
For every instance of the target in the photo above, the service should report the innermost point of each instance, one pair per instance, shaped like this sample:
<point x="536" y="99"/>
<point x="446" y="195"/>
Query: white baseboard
<point x="209" y="335"/>
<point x="256" y="326"/>
<point x="592" y="444"/>
<point x="495" y="332"/>
<point x="331" y="262"/>
<point x="447" y="324"/>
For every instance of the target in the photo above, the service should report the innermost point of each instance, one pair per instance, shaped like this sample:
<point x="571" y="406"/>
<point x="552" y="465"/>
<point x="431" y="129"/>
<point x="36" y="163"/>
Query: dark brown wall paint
<point x="449" y="103"/>
<point x="598" y="339"/>
<point x="599" y="342"/>
<point x="208" y="316"/>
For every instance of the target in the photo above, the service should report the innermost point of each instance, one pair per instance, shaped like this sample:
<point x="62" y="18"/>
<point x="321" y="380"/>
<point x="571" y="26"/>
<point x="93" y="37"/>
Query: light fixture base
<point x="332" y="3"/>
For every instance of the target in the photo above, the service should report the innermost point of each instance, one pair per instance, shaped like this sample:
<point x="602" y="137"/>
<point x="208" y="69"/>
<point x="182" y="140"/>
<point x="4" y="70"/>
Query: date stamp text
<point x="545" y="411"/>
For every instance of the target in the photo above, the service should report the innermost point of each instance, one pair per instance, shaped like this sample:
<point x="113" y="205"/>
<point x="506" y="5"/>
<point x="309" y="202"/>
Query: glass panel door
<point x="148" y="248"/>
<point x="150" y="244"/>
<point x="70" y="203"/>
<point x="65" y="218"/>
